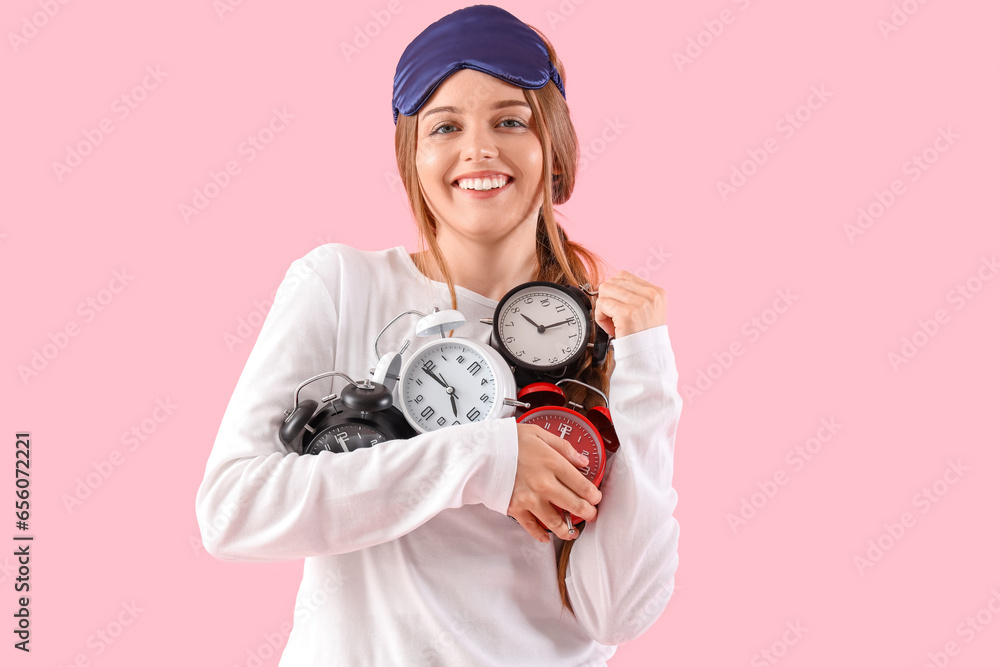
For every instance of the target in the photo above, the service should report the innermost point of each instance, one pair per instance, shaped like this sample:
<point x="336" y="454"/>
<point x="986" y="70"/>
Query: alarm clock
<point x="592" y="434"/>
<point x="454" y="380"/>
<point x="362" y="416"/>
<point x="544" y="328"/>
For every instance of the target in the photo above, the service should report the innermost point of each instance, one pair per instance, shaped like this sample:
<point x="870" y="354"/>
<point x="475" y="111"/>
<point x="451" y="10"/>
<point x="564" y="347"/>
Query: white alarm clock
<point x="452" y="381"/>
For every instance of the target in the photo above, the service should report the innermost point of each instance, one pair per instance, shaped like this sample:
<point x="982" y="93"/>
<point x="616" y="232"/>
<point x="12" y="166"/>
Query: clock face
<point x="345" y="438"/>
<point x="447" y="383"/>
<point x="542" y="328"/>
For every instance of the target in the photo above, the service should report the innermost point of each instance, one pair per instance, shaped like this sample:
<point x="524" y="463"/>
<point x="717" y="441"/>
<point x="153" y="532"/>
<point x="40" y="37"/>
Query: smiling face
<point x="477" y="131"/>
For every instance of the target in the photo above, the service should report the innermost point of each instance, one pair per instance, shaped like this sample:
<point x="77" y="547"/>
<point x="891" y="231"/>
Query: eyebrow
<point x="495" y="107"/>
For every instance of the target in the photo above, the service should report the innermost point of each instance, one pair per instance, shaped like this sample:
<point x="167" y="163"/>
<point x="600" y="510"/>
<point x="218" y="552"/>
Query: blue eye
<point x="517" y="123"/>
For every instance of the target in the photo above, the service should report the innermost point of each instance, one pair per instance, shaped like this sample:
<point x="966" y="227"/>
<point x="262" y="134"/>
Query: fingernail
<point x="583" y="457"/>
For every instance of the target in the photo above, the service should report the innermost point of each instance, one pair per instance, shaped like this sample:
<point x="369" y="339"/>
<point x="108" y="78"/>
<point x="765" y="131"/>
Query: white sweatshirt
<point x="410" y="558"/>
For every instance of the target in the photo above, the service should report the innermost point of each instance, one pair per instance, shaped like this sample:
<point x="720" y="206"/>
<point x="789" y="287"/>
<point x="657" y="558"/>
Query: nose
<point x="478" y="143"/>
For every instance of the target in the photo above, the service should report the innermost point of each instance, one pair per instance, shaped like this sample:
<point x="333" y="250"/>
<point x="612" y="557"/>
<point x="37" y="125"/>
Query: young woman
<point x="410" y="553"/>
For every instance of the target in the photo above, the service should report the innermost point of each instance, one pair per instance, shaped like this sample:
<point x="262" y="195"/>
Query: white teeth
<point x="482" y="183"/>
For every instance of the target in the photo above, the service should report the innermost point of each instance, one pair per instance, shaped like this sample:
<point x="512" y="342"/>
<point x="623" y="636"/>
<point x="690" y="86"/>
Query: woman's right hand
<point x="547" y="475"/>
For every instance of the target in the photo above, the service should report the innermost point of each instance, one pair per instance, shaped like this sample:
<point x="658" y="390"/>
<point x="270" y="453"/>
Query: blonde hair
<point x="559" y="260"/>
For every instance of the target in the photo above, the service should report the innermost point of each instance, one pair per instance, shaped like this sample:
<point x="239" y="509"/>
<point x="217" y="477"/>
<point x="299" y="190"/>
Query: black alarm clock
<point x="361" y="417"/>
<point x="544" y="329"/>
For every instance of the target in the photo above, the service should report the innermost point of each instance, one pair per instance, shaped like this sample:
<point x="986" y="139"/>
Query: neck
<point x="490" y="267"/>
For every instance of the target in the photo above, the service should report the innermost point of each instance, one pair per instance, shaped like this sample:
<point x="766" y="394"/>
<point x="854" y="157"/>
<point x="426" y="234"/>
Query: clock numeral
<point x="429" y="365"/>
<point x="553" y="360"/>
<point x="510" y="323"/>
<point x="485" y="381"/>
<point x="515" y="309"/>
<point x="374" y="442"/>
<point x="572" y="335"/>
<point x="441" y="421"/>
<point x="474" y="368"/>
<point x="566" y="350"/>
<point x="419" y="382"/>
<point x="509" y="339"/>
<point x="460" y="359"/>
<point x="443" y="357"/>
<point x="536" y="360"/>
<point x="560" y="308"/>
<point x="473" y="414"/>
<point x="528" y="299"/>
<point x="455" y="423"/>
<point x="521" y="353"/>
<point x="544" y="302"/>
<point x="418" y="398"/>
<point x="427" y="413"/>
<point x="485" y="398"/>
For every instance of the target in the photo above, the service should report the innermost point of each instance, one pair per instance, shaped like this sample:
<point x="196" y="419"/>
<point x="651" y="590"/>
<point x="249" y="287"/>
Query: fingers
<point x="529" y="523"/>
<point x="575" y="492"/>
<point x="548" y="481"/>
<point x="628" y="304"/>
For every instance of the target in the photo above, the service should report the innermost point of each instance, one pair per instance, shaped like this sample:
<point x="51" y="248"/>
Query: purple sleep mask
<point x="482" y="37"/>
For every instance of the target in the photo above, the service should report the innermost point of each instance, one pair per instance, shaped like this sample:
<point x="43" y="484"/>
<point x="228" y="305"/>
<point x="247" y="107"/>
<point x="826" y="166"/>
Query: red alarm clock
<point x="592" y="434"/>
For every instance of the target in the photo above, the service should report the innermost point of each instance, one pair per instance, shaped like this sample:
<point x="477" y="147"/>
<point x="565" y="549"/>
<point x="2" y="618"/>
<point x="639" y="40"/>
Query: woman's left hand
<point x="627" y="304"/>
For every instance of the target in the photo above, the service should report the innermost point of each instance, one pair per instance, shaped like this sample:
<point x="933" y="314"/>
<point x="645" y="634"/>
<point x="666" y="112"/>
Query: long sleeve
<point x="621" y="569"/>
<point x="259" y="501"/>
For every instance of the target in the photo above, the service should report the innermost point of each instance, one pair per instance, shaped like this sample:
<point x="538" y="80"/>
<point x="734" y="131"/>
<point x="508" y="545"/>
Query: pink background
<point x="649" y="189"/>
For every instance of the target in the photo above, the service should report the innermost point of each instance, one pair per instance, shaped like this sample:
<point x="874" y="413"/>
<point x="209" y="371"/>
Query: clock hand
<point x="549" y="326"/>
<point x="436" y="378"/>
<point x="451" y="390"/>
<point x="454" y="406"/>
<point x="540" y="328"/>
